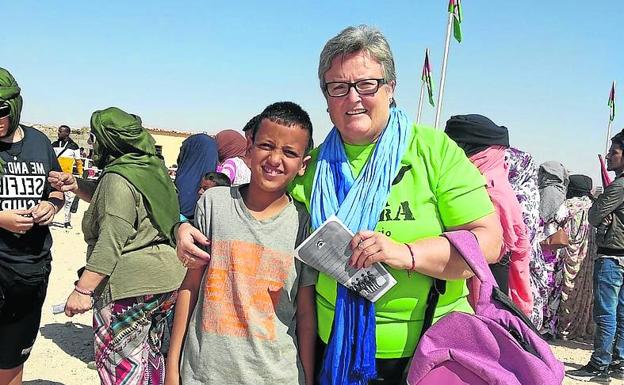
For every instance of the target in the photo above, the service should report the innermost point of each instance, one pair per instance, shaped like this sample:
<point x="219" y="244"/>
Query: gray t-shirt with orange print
<point x="243" y="328"/>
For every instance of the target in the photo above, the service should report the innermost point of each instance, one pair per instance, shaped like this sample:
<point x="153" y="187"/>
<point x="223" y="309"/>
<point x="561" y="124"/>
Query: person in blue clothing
<point x="198" y="156"/>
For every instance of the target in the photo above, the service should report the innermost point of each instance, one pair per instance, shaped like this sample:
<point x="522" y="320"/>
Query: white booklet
<point x="327" y="250"/>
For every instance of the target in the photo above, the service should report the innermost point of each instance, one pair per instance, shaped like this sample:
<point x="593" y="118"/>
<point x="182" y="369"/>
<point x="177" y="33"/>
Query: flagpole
<point x="420" y="101"/>
<point x="607" y="145"/>
<point x="443" y="72"/>
<point x="611" y="116"/>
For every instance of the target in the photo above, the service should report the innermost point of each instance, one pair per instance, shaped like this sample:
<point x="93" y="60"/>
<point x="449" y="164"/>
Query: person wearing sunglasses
<point x="27" y="206"/>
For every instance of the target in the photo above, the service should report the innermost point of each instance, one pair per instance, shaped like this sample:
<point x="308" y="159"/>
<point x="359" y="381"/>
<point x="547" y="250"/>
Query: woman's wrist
<point x="412" y="263"/>
<point x="83" y="291"/>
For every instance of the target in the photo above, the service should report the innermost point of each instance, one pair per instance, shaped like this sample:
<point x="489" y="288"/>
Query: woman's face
<point x="98" y="156"/>
<point x="359" y="118"/>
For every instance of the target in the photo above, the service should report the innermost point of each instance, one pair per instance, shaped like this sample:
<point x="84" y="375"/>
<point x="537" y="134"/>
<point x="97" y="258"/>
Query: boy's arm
<point x="306" y="331"/>
<point x="185" y="304"/>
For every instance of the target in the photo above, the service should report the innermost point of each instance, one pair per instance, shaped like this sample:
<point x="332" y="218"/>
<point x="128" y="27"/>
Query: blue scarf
<point x="198" y="156"/>
<point x="350" y="355"/>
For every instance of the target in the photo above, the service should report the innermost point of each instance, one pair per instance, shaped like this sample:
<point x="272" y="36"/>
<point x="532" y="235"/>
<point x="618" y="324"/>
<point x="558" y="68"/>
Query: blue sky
<point x="541" y="68"/>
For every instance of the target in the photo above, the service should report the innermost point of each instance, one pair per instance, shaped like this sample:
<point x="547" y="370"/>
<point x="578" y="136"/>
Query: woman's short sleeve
<point x="460" y="187"/>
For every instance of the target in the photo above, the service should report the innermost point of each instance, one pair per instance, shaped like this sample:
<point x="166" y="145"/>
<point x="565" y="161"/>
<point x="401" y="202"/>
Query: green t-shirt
<point x="436" y="187"/>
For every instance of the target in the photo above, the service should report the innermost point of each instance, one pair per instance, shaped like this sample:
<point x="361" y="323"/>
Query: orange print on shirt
<point x="242" y="289"/>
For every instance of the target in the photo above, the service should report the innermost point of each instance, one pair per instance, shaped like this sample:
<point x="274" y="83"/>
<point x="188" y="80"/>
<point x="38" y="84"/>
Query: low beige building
<point x="168" y="142"/>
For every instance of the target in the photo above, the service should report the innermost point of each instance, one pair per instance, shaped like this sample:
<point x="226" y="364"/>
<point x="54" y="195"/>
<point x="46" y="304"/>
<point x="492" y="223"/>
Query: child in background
<point x="213" y="179"/>
<point x="248" y="317"/>
<point x="233" y="160"/>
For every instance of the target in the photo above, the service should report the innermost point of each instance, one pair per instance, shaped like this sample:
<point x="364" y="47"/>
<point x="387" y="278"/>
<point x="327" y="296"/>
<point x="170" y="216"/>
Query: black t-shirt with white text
<point x="22" y="186"/>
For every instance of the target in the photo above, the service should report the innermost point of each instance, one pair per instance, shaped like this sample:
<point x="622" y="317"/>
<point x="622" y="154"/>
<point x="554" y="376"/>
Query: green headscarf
<point x="121" y="137"/>
<point x="10" y="93"/>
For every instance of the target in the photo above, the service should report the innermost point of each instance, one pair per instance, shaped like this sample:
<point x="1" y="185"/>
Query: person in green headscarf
<point x="132" y="271"/>
<point x="27" y="206"/>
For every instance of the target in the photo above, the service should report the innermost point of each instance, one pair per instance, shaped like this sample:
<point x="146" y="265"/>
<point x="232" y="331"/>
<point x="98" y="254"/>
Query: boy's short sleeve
<point x="203" y="212"/>
<point x="308" y="275"/>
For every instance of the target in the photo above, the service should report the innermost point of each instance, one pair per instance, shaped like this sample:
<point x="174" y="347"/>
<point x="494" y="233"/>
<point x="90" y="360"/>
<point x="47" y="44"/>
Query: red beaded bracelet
<point x="82" y="291"/>
<point x="413" y="259"/>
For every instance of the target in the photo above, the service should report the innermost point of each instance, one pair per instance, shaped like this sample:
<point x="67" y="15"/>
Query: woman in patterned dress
<point x="523" y="180"/>
<point x="553" y="181"/>
<point x="575" y="309"/>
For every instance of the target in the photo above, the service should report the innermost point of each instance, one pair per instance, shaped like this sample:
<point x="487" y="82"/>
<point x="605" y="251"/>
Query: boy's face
<point x="204" y="185"/>
<point x="277" y="155"/>
<point x="615" y="159"/>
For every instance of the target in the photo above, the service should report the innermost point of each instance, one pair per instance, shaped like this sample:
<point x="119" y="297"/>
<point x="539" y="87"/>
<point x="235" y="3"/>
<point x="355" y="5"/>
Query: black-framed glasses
<point x="5" y="110"/>
<point x="363" y="87"/>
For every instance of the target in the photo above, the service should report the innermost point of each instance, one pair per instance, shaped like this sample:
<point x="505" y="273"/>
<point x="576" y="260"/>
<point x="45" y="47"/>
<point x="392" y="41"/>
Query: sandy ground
<point x="64" y="345"/>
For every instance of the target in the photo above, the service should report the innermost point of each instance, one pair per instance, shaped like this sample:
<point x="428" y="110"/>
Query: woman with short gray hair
<point x="353" y="39"/>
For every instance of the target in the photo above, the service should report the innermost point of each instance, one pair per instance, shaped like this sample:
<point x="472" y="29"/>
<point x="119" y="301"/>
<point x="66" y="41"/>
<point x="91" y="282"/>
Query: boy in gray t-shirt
<point x="248" y="316"/>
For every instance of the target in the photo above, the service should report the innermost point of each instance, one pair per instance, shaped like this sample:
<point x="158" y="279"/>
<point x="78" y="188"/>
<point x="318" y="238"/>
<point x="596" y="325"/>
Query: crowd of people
<point x="209" y="256"/>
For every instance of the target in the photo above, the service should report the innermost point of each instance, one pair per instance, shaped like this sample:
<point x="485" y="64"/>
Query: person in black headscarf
<point x="485" y="144"/>
<point x="474" y="133"/>
<point x="579" y="186"/>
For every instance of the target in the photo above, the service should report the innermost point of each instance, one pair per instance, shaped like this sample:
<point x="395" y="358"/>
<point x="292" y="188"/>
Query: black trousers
<point x="21" y="299"/>
<point x="390" y="371"/>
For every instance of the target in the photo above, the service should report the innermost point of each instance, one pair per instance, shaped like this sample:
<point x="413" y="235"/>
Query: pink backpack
<point x="496" y="346"/>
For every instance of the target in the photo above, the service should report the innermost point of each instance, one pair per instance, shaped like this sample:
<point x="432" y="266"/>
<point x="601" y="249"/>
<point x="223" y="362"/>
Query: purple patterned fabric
<point x="494" y="346"/>
<point x="523" y="180"/>
<point x="554" y="272"/>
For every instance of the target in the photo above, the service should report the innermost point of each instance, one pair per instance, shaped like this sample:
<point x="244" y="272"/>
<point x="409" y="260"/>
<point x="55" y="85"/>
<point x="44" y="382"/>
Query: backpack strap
<point x="438" y="287"/>
<point x="467" y="245"/>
